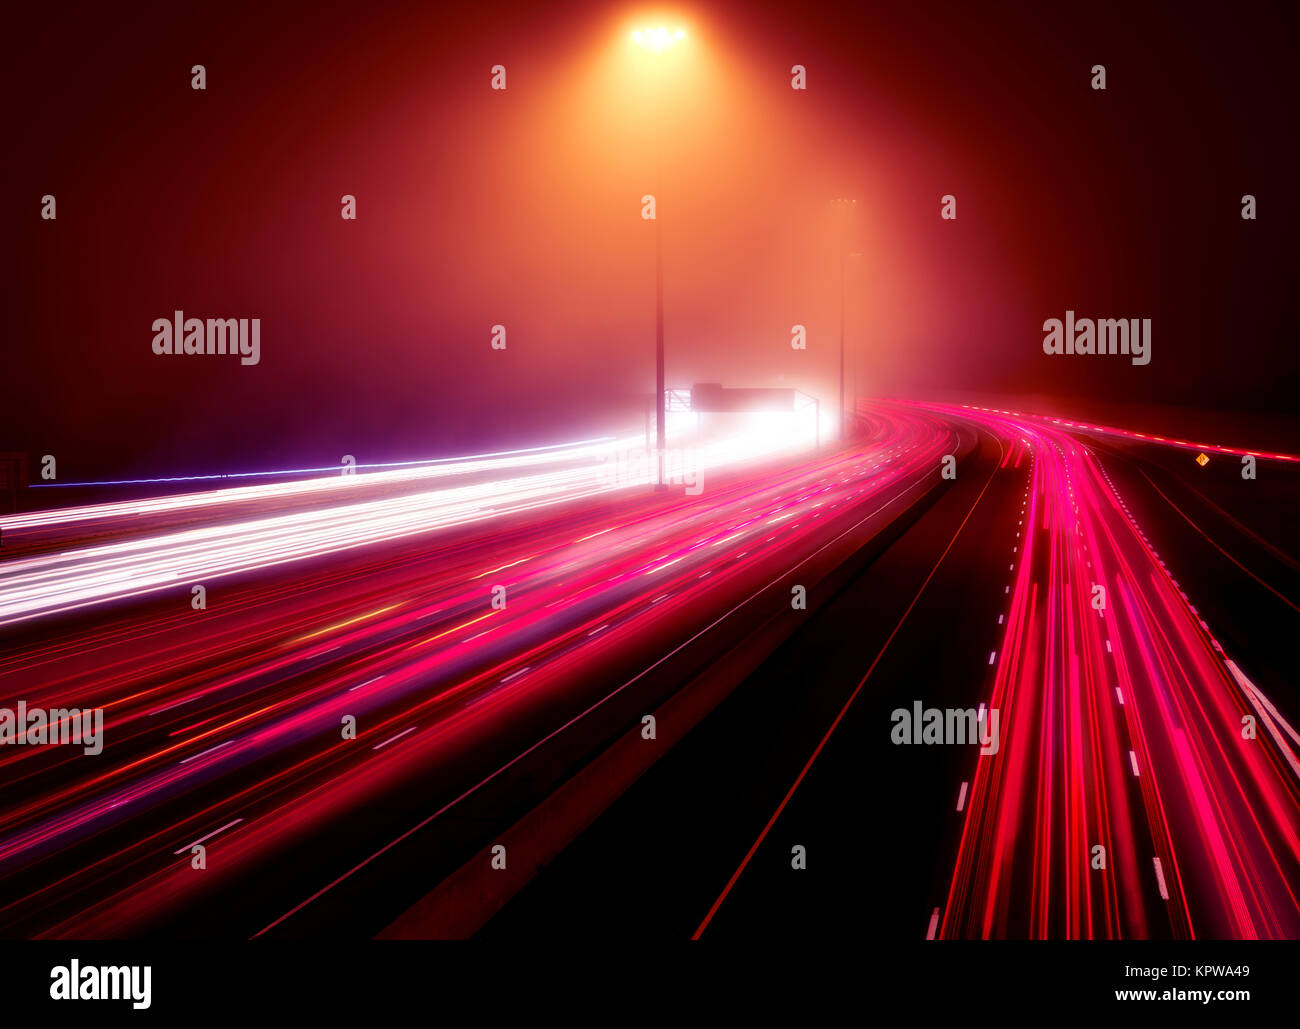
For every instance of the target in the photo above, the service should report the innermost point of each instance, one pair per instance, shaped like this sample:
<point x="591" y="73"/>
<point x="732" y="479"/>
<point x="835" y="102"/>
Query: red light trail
<point x="1121" y="725"/>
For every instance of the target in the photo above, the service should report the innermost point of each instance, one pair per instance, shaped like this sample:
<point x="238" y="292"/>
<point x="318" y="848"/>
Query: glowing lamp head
<point x="657" y="40"/>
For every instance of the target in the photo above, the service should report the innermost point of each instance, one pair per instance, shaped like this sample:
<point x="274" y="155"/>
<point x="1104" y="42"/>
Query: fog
<point x="522" y="207"/>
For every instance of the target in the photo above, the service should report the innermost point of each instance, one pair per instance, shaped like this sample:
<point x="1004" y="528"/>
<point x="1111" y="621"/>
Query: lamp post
<point x="661" y="390"/>
<point x="657" y="41"/>
<point x="854" y="395"/>
<point x="843" y="206"/>
<point x="844" y="262"/>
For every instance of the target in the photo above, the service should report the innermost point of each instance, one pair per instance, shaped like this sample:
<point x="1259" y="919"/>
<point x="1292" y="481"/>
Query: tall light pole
<point x="844" y="263"/>
<point x="661" y="387"/>
<point x="844" y="206"/>
<point x="854" y="396"/>
<point x="656" y="41"/>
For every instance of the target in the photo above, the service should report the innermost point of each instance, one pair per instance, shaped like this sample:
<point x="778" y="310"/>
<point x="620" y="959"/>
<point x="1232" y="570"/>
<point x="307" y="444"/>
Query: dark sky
<point x="522" y="207"/>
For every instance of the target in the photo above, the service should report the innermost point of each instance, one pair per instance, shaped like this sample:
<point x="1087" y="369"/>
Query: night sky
<point x="478" y="207"/>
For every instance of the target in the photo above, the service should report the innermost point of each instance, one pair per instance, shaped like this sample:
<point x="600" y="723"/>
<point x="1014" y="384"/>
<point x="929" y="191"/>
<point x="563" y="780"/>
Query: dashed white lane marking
<point x="516" y="675"/>
<point x="934" y="924"/>
<point x="366" y="683"/>
<point x="1160" y="879"/>
<point x="1121" y="703"/>
<point x="179" y="703"/>
<point x="601" y="629"/>
<point x="195" y="757"/>
<point x="961" y="797"/>
<point x="392" y="738"/>
<point x="993" y="656"/>
<point x="1133" y="760"/>
<point x="209" y="836"/>
<point x="1001" y="619"/>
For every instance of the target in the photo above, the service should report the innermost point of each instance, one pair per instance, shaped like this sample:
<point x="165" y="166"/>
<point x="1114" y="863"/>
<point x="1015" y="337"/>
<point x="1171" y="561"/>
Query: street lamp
<point x="657" y="41"/>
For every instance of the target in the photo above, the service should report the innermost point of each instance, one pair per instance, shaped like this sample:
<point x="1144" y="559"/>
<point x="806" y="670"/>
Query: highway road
<point x="1121" y="728"/>
<point x="463" y="639"/>
<point x="498" y="631"/>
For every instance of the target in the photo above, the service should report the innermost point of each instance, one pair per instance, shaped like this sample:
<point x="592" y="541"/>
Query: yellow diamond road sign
<point x="1202" y="460"/>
